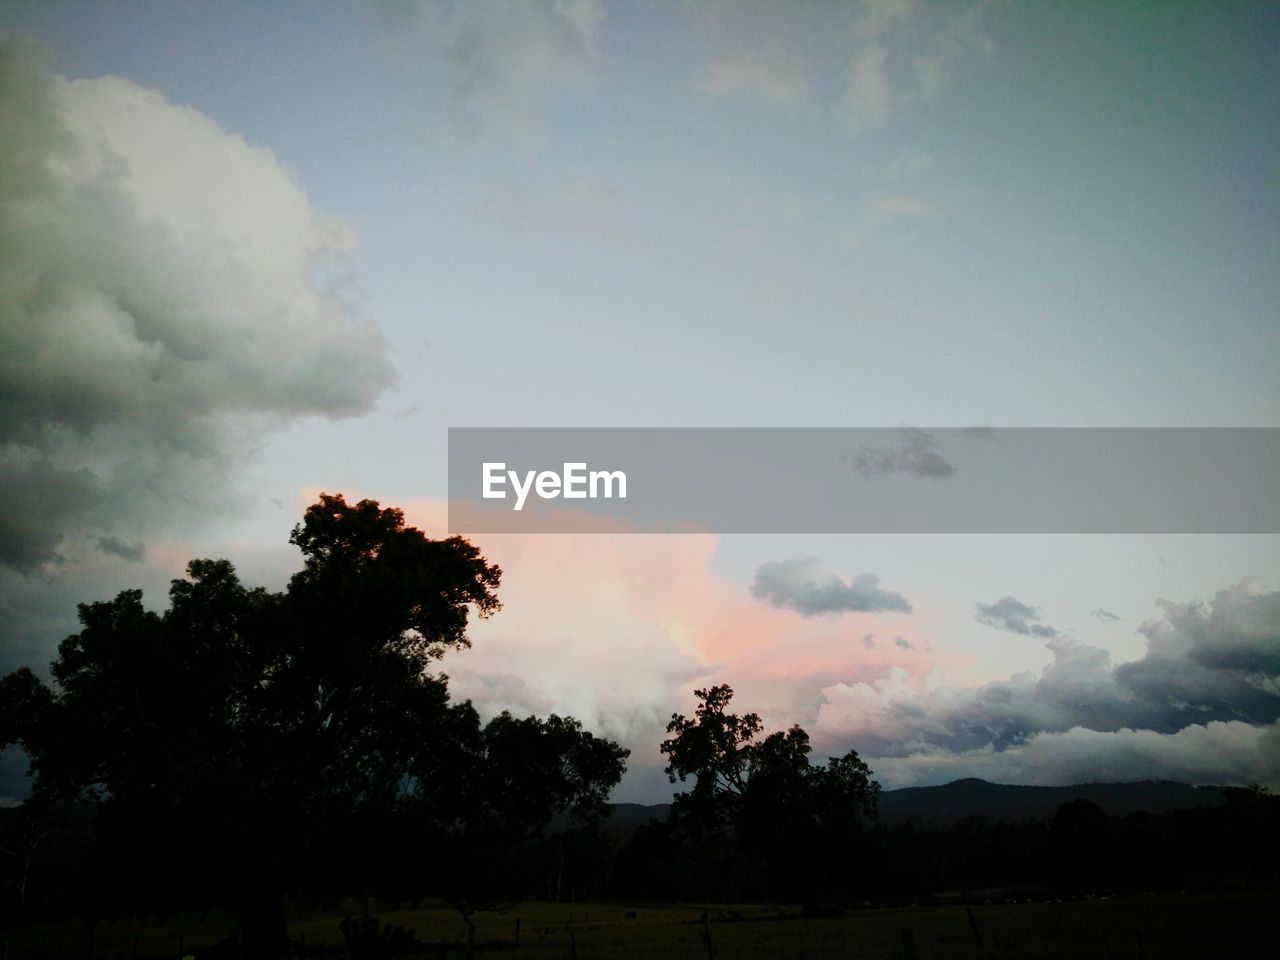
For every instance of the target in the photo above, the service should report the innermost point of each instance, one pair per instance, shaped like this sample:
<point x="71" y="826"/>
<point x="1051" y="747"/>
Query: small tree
<point x="494" y="804"/>
<point x="764" y="792"/>
<point x="22" y="832"/>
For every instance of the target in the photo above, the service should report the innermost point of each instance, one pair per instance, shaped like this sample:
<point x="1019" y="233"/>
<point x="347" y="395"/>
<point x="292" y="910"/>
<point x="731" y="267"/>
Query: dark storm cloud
<point x="157" y="311"/>
<point x="803" y="586"/>
<point x="1210" y="668"/>
<point x="1220" y="662"/>
<point x="1010" y="614"/>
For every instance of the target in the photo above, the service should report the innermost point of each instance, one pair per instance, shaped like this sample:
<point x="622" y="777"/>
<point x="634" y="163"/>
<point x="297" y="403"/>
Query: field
<point x="1235" y="925"/>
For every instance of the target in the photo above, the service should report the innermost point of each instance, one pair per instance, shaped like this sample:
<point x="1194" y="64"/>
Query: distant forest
<point x="1077" y="850"/>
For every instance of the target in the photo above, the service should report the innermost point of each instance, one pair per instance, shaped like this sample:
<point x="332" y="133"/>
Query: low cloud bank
<point x="1202" y="705"/>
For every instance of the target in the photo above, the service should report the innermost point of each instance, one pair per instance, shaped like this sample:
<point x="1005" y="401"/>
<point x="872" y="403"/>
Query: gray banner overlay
<point x="865" y="480"/>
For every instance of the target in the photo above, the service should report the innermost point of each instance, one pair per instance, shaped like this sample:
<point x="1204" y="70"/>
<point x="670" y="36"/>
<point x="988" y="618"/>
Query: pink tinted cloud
<point x="616" y="611"/>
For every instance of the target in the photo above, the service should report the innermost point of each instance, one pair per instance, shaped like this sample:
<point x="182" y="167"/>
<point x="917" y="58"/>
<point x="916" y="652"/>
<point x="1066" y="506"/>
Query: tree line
<point x="247" y="747"/>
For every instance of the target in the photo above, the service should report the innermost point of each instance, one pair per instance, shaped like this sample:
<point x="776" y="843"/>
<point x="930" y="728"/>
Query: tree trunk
<point x="263" y="932"/>
<point x="471" y="937"/>
<point x="559" y="871"/>
<point x="809" y="905"/>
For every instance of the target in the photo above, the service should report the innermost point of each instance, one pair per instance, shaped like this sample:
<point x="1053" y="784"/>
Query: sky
<point x="256" y="252"/>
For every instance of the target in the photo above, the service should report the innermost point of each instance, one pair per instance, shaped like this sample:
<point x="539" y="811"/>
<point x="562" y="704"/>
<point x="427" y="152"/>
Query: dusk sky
<point x="255" y="252"/>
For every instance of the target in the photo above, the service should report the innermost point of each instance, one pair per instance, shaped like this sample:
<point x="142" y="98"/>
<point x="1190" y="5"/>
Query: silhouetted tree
<point x="1081" y="845"/>
<point x="237" y="743"/>
<point x="496" y="799"/>
<point x="22" y="833"/>
<point x="800" y="818"/>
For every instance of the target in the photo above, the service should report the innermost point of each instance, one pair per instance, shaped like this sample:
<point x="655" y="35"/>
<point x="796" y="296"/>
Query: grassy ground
<point x="1236" y="925"/>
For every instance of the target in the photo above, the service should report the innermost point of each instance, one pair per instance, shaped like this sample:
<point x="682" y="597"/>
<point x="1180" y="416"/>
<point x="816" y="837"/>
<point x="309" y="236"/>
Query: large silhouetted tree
<point x="802" y="819"/>
<point x="236" y="743"/>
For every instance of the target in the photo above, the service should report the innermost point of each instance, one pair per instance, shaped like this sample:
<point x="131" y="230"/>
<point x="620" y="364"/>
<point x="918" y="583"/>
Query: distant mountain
<point x="636" y="814"/>
<point x="623" y="817"/>
<point x="999" y="801"/>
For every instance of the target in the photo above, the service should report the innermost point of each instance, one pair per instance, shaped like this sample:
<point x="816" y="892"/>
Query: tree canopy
<point x="232" y="742"/>
<point x="763" y="793"/>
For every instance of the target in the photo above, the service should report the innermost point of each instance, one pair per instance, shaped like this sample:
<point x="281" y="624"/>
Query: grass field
<point x="1236" y="925"/>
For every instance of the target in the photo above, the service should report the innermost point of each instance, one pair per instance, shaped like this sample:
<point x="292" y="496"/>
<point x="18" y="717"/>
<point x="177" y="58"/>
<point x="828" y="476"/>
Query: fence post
<point x="517" y="931"/>
<point x="909" y="945"/>
<point x="573" y="945"/>
<point x="706" y="931"/>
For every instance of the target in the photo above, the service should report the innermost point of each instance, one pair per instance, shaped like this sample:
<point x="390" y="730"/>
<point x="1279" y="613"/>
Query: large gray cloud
<point x="1209" y="666"/>
<point x="803" y="586"/>
<point x="158" y="310"/>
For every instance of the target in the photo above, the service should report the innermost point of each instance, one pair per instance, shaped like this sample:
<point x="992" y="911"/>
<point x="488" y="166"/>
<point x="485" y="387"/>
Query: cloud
<point x="929" y="77"/>
<point x="915" y="454"/>
<point x="132" y="552"/>
<point x="1103" y="616"/>
<point x="1015" y="616"/>
<point x="1220" y="661"/>
<point x="777" y="82"/>
<point x="803" y="586"/>
<point x="498" y="63"/>
<point x="909" y="164"/>
<point x="871" y="91"/>
<point x="867" y="95"/>
<point x="619" y="629"/>
<point x="15" y="785"/>
<point x="1239" y="631"/>
<point x="159" y="310"/>
<point x="576" y="204"/>
<point x="862" y="62"/>
<point x="901" y="205"/>
<point x="1210" y="678"/>
<point x="1218" y="752"/>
